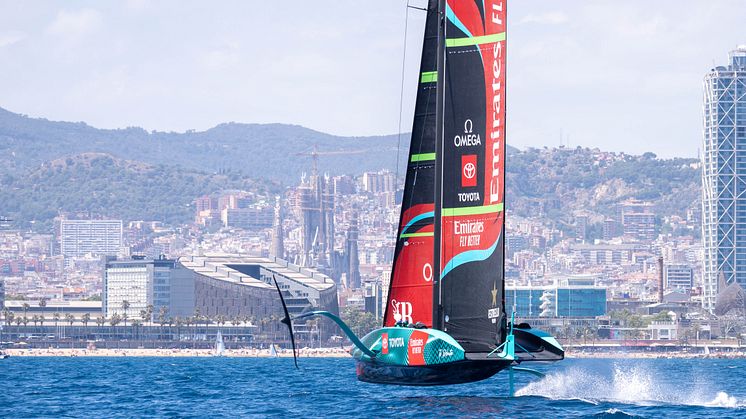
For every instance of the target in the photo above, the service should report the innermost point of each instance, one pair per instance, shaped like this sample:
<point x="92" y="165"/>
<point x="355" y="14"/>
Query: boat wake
<point x="631" y="385"/>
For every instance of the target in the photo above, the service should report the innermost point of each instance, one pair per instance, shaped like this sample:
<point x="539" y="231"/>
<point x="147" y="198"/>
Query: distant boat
<point x="272" y="351"/>
<point x="219" y="345"/>
<point x="3" y="355"/>
<point x="707" y="350"/>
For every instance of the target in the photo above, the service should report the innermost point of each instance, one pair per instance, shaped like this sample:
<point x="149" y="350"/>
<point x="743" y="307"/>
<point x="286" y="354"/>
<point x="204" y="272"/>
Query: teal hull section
<point x="420" y="357"/>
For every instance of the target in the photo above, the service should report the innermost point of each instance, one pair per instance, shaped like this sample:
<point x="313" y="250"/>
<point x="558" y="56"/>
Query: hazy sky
<point x="619" y="75"/>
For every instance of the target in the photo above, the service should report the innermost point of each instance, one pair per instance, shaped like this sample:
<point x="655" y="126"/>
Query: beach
<point x="330" y="353"/>
<point x="141" y="352"/>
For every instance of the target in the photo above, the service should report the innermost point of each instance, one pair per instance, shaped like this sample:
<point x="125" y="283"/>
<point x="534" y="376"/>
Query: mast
<point x="439" y="109"/>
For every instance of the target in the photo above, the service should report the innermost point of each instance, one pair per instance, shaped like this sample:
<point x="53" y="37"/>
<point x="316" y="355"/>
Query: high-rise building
<point x="638" y="220"/>
<point x="162" y="283"/>
<point x="678" y="277"/>
<point x="724" y="176"/>
<point x="96" y="237"/>
<point x="277" y="249"/>
<point x="377" y="182"/>
<point x="353" y="269"/>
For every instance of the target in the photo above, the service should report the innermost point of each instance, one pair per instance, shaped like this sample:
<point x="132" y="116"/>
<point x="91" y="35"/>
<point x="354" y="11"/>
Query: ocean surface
<point x="261" y="387"/>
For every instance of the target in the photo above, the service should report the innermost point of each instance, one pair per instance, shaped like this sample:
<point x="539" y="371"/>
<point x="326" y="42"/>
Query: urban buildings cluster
<point x="329" y="243"/>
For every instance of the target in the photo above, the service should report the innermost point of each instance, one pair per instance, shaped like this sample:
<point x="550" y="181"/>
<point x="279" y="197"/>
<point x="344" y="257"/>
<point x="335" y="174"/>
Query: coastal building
<point x="678" y="277"/>
<point x="78" y="309"/>
<point x="96" y="237"/>
<point x="162" y="283"/>
<point x="2" y="293"/>
<point x="243" y="286"/>
<point x="560" y="300"/>
<point x="724" y="176"/>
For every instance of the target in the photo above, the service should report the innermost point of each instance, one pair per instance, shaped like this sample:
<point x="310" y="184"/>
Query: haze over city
<point x="621" y="76"/>
<point x="437" y="208"/>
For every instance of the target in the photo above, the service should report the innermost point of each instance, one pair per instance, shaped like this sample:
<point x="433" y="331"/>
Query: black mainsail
<point x="448" y="263"/>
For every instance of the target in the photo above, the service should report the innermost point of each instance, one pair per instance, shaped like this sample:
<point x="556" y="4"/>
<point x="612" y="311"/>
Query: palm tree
<point x="56" y="317"/>
<point x="115" y="319"/>
<point x="35" y="320"/>
<point x="162" y="315"/>
<point x="125" y="306"/>
<point x="19" y="320"/>
<point x="86" y="318"/>
<point x="100" y="320"/>
<point x="9" y="315"/>
<point x="24" y="320"/>
<point x="6" y="313"/>
<point x="149" y="313"/>
<point x="25" y="308"/>
<point x="42" y="306"/>
<point x="70" y="318"/>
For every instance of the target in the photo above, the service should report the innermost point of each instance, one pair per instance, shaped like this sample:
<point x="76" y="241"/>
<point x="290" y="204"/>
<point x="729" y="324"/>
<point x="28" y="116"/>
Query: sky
<point x="617" y="75"/>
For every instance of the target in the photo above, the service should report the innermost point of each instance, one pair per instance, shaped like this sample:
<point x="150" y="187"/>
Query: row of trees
<point x="145" y="318"/>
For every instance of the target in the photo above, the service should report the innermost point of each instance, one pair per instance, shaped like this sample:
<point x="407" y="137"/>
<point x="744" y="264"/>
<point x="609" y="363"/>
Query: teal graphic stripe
<point x="422" y="216"/>
<point x="455" y="20"/>
<point x="469" y="256"/>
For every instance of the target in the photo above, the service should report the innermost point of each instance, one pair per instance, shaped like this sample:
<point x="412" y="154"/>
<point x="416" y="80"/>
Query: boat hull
<point x="421" y="357"/>
<point x="459" y="372"/>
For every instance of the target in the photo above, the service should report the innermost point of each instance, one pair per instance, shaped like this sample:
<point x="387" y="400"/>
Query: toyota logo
<point x="469" y="170"/>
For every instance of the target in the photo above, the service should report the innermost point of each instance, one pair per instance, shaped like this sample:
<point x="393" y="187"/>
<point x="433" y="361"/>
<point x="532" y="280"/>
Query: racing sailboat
<point x="445" y="319"/>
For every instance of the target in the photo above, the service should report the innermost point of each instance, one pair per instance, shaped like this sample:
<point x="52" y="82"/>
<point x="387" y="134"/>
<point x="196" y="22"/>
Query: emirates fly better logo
<point x="468" y="170"/>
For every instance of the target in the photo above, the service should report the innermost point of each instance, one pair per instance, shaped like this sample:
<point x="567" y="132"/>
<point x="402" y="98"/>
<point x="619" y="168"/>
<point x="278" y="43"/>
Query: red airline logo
<point x="468" y="170"/>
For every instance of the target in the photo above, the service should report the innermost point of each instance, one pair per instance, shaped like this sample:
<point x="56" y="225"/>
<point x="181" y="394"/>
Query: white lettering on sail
<point x="468" y="138"/>
<point x="468" y="196"/>
<point x="497" y="9"/>
<point x="496" y="121"/>
<point x="402" y="311"/>
<point x="427" y="272"/>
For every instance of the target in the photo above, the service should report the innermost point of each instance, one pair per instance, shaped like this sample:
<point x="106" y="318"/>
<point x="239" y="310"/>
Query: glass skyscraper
<point x="724" y="176"/>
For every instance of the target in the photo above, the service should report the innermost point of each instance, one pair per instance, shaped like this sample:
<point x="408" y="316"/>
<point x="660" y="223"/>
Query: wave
<point x="635" y="385"/>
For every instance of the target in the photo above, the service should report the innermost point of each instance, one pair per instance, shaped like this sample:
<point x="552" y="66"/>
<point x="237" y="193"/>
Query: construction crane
<point x="316" y="153"/>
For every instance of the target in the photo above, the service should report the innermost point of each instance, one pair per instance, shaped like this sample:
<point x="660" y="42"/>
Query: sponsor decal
<point x="427" y="272"/>
<point x="468" y="138"/>
<point x="496" y="126"/>
<point x="416" y="347"/>
<point x="402" y="311"/>
<point x="385" y="343"/>
<point x="445" y="353"/>
<point x="468" y="170"/>
<point x="396" y="342"/>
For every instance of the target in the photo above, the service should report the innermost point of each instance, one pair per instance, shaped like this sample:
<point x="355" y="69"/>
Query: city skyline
<point x="634" y="59"/>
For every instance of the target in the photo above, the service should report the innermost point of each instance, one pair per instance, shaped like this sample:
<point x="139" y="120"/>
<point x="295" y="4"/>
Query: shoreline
<point x="321" y="353"/>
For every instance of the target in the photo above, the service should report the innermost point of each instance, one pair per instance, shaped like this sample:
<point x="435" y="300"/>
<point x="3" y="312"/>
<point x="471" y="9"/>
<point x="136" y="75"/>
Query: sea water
<point x="261" y="387"/>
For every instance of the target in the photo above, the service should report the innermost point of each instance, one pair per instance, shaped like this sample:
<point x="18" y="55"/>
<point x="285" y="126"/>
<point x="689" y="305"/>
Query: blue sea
<point x="254" y="387"/>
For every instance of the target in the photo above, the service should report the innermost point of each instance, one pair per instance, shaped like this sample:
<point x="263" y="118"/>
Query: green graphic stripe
<point x="422" y="157"/>
<point x="476" y="40"/>
<point x="429" y="77"/>
<point x="489" y="209"/>
<point x="430" y="234"/>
